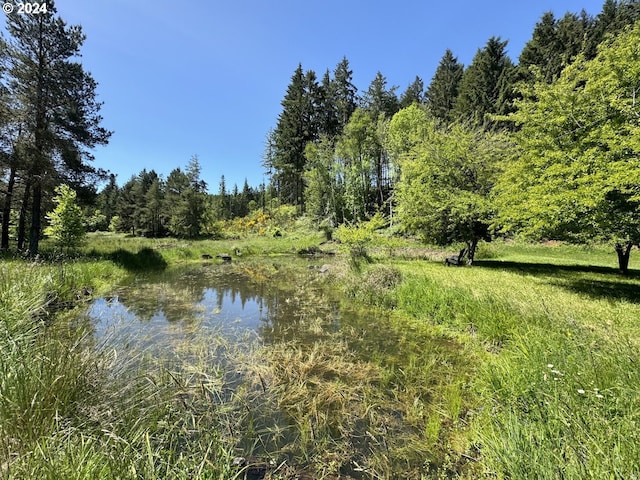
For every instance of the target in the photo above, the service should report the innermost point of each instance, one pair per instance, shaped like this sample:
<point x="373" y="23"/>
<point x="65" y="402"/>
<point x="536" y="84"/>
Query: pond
<point x="300" y="376"/>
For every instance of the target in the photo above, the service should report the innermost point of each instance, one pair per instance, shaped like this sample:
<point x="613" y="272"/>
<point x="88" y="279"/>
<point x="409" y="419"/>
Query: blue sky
<point x="207" y="77"/>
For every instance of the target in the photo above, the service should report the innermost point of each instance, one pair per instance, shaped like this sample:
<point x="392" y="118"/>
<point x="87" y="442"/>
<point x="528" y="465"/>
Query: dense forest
<point x="545" y="147"/>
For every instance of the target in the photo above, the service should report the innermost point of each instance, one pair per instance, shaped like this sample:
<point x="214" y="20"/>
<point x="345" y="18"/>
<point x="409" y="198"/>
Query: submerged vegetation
<point x="520" y="367"/>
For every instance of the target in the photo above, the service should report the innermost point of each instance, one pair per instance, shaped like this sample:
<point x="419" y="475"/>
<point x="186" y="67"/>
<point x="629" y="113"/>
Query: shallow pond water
<point x="238" y="303"/>
<point x="348" y="391"/>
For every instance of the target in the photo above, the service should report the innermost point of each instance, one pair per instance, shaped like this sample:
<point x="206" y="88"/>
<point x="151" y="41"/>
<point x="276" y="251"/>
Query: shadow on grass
<point x="145" y="259"/>
<point x="617" y="288"/>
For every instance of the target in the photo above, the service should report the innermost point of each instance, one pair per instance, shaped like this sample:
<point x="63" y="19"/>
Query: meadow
<point x="522" y="366"/>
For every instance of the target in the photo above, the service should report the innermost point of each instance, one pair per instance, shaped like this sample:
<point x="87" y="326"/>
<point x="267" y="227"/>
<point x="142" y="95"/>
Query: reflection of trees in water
<point x="183" y="296"/>
<point x="293" y="305"/>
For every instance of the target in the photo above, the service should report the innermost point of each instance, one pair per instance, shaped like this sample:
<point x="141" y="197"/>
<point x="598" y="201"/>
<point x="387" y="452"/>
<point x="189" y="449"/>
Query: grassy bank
<point x="523" y="366"/>
<point x="555" y="329"/>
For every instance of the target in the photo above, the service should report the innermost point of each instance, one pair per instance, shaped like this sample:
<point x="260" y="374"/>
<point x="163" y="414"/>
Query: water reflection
<point x="166" y="307"/>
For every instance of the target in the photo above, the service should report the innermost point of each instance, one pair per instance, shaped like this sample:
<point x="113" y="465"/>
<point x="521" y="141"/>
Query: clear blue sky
<point x="206" y="77"/>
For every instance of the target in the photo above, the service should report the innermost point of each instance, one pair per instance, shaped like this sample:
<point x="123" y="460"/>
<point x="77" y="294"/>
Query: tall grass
<point x="558" y="385"/>
<point x="524" y="366"/>
<point x="71" y="409"/>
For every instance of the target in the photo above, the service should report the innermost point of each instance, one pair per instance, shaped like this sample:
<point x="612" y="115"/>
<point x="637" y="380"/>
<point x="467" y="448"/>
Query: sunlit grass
<point x="523" y="366"/>
<point x="558" y="387"/>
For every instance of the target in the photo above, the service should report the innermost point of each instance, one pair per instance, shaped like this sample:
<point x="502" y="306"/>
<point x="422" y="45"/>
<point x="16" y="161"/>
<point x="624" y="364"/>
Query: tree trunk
<point x="6" y="210"/>
<point x="472" y="245"/>
<point x="624" y="252"/>
<point x="34" y="233"/>
<point x="22" y="220"/>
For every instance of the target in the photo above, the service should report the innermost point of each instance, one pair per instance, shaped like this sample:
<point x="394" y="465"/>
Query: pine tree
<point x="486" y="86"/>
<point x="378" y="99"/>
<point x="223" y="204"/>
<point x="413" y="94"/>
<point x="108" y="198"/>
<point x="57" y="100"/>
<point x="297" y="125"/>
<point x="615" y="16"/>
<point x="344" y="92"/>
<point x="442" y="92"/>
<point x="327" y="111"/>
<point x="541" y="51"/>
<point x="65" y="221"/>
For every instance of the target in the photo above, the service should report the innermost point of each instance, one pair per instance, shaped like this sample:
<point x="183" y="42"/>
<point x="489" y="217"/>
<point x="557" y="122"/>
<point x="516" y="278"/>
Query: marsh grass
<point x="524" y="366"/>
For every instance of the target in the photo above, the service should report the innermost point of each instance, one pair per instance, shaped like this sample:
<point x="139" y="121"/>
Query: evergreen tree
<point x="344" y="93"/>
<point x="65" y="221"/>
<point x="297" y="125"/>
<point x="192" y="206"/>
<point x="154" y="218"/>
<point x="615" y="16"/>
<point x="223" y="204"/>
<point x="126" y="207"/>
<point x="176" y="186"/>
<point x="108" y="199"/>
<point x="542" y="51"/>
<point x="487" y="85"/>
<point x="442" y="92"/>
<point x="378" y="99"/>
<point x="413" y="94"/>
<point x="328" y="125"/>
<point x="56" y="99"/>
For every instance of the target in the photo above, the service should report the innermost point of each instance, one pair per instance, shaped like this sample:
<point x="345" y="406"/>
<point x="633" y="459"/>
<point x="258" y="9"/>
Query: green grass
<point x="523" y="366"/>
<point x="557" y="387"/>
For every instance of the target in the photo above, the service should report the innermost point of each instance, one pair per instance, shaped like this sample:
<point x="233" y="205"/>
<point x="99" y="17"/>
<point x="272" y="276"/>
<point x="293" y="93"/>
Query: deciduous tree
<point x="577" y="175"/>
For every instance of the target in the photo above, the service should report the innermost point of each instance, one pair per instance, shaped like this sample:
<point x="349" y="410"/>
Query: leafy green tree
<point x="447" y="173"/>
<point x="442" y="92"/>
<point x="577" y="174"/>
<point x="380" y="103"/>
<point x="487" y="85"/>
<point x="56" y="101"/>
<point x="358" y="150"/>
<point x="322" y="191"/>
<point x="66" y="221"/>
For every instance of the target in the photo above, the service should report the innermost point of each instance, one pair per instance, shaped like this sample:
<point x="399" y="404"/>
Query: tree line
<point x="543" y="148"/>
<point x="448" y="161"/>
<point x="149" y="205"/>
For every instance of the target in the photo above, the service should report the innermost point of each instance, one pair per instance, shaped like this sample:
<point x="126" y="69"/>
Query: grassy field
<point x="522" y="366"/>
